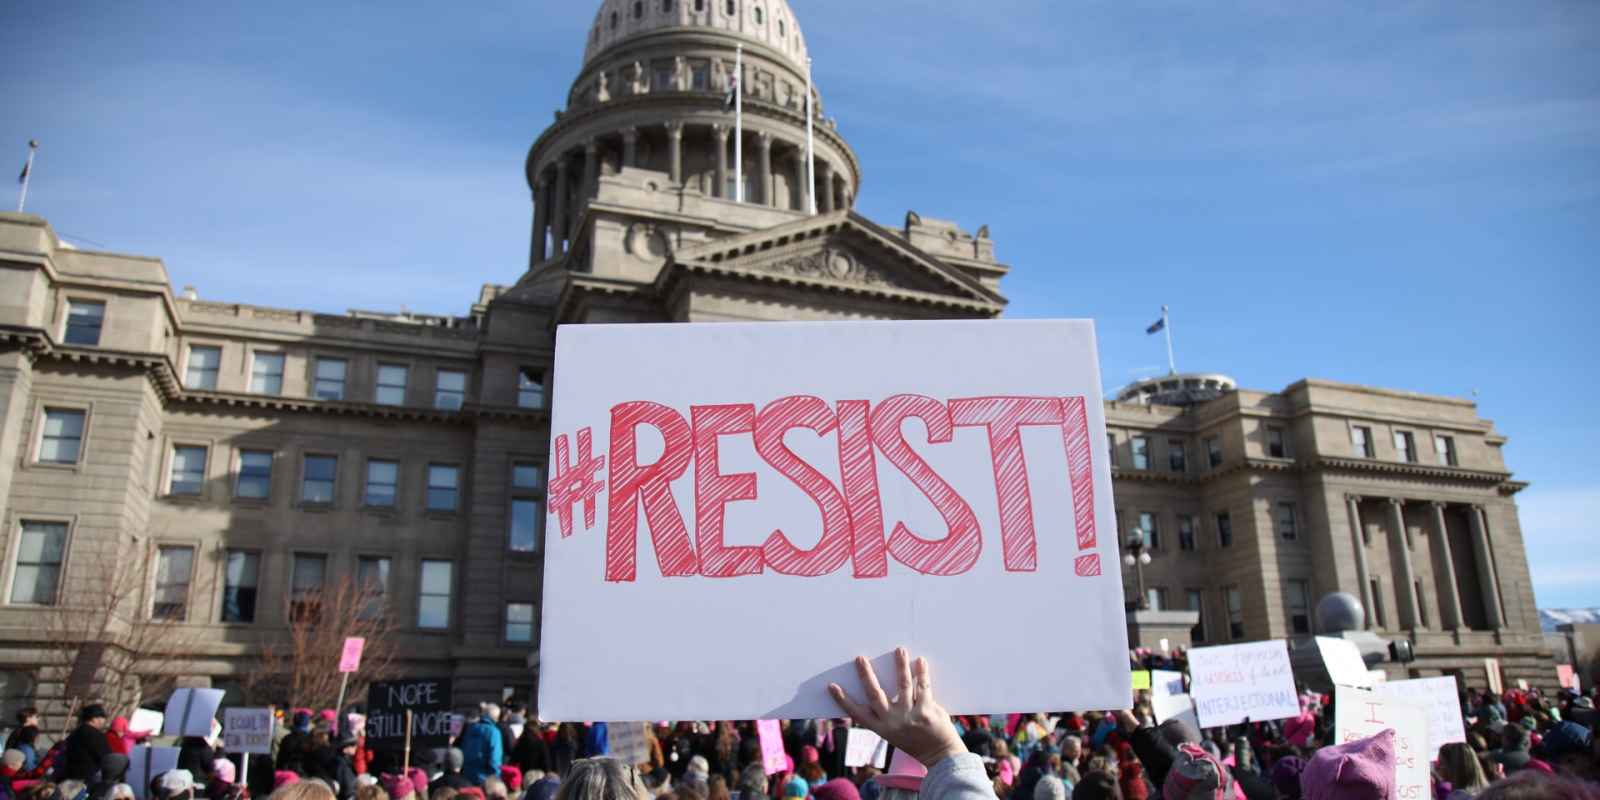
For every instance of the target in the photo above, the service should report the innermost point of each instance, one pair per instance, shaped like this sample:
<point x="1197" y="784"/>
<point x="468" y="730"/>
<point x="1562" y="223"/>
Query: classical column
<point x="798" y="200"/>
<point x="591" y="171"/>
<point x="675" y="145"/>
<point x="630" y="147"/>
<point x="541" y="220"/>
<point x="764" y="145"/>
<point x="1450" y="603"/>
<point x="824" y="187"/>
<point x="1353" y="507"/>
<point x="1410" y="608"/>
<point x="559" y="208"/>
<point x="720" y="133"/>
<point x="1486" y="574"/>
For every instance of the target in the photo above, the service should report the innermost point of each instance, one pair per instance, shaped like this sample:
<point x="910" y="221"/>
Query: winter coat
<point x="483" y="755"/>
<point x="86" y="748"/>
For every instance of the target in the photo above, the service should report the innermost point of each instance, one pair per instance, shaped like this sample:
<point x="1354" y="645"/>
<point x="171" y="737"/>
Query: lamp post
<point x="1136" y="557"/>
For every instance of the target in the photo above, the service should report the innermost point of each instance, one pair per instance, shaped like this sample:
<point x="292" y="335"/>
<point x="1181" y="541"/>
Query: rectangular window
<point x="1186" y="533"/>
<point x="1445" y="448"/>
<point x="1275" y="443"/>
<point x="1224" y="530"/>
<point x="1286" y="524"/>
<point x="1235" y="614"/>
<point x="62" y="438"/>
<point x="1297" y="597"/>
<point x="525" y="516"/>
<point x="188" y="471"/>
<point x="316" y="488"/>
<point x="442" y="481"/>
<point x="433" y="610"/>
<point x="1405" y="445"/>
<point x="240" y="577"/>
<point x="305" y="588"/>
<point x="662" y="81"/>
<point x="1141" y="452"/>
<point x="173" y="568"/>
<point x="530" y="388"/>
<point x="383" y="483"/>
<point x="519" y="622"/>
<point x="1214" y="452"/>
<point x="1377" y="605"/>
<point x="1361" y="441"/>
<point x="700" y="77"/>
<point x="1196" y="598"/>
<point x="392" y="379"/>
<point x="329" y="380"/>
<point x="205" y="363"/>
<point x="1177" y="455"/>
<point x="372" y="577"/>
<point x="255" y="475"/>
<point x="1111" y="449"/>
<point x="84" y="320"/>
<point x="40" y="551"/>
<point x="451" y="390"/>
<point x="266" y="373"/>
<point x="526" y="475"/>
<point x="1148" y="530"/>
<point x="1156" y="598"/>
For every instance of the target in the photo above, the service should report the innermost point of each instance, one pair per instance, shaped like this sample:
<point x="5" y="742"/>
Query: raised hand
<point x="912" y="721"/>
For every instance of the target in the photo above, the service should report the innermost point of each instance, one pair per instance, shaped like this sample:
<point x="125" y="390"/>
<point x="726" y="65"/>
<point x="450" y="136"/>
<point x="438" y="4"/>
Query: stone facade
<point x="218" y="447"/>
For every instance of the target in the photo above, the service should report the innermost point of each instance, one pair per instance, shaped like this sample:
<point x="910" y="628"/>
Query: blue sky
<point x="1403" y="194"/>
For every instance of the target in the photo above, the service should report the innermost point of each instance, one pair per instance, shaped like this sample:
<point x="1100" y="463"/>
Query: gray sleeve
<point x="959" y="777"/>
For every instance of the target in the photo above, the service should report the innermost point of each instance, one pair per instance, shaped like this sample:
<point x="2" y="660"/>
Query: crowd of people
<point x="1521" y="745"/>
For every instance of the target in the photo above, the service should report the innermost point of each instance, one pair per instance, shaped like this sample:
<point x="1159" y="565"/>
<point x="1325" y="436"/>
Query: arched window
<point x="613" y="20"/>
<point x="699" y="5"/>
<point x="733" y="8"/>
<point x="759" y="15"/>
<point x="781" y="32"/>
<point x="638" y="9"/>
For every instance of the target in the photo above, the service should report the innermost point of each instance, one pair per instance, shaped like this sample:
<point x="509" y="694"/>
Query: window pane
<point x="1141" y="452"/>
<point x="436" y="577"/>
<point x="382" y="480"/>
<point x="305" y="602"/>
<point x="372" y="575"/>
<point x="188" y="470"/>
<point x="39" y="554"/>
<point x="172" y="583"/>
<point x="330" y="379"/>
<point x="519" y="622"/>
<point x="1177" y="458"/>
<point x="441" y="488"/>
<point x="266" y="373"/>
<point x="530" y="388"/>
<point x="434" y="609"/>
<point x="392" y="384"/>
<point x="84" y="318"/>
<point x="319" y="479"/>
<point x="239" y="586"/>
<point x="255" y="475"/>
<point x="204" y="364"/>
<point x="63" y="434"/>
<point x="434" y="612"/>
<point x="524" y="526"/>
<point x="449" y="389"/>
<point x="525" y="475"/>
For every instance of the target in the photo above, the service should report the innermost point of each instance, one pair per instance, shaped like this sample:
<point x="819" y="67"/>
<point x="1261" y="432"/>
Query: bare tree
<point x="302" y="666"/>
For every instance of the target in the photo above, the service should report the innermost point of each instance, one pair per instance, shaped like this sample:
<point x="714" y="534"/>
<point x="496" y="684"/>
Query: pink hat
<point x="808" y="755"/>
<point x="222" y="769"/>
<point x="836" y="789"/>
<point x="511" y="776"/>
<point x="419" y="780"/>
<point x="283" y="778"/>
<point x="396" y="786"/>
<point x="1359" y="769"/>
<point x="905" y="773"/>
<point x="1198" y="775"/>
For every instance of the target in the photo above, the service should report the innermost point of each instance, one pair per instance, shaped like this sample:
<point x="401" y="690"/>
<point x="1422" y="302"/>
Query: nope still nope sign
<point x="739" y="510"/>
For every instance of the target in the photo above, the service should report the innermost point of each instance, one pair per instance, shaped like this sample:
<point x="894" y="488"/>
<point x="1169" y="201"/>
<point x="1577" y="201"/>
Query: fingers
<point x="851" y="708"/>
<point x="902" y="665"/>
<point x="876" y="699"/>
<point x="923" y="681"/>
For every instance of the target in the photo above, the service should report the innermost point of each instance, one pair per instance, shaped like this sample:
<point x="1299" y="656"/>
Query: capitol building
<point x="213" y="467"/>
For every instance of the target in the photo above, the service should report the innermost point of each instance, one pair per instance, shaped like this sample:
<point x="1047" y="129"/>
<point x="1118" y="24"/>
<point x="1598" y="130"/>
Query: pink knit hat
<point x="223" y="770"/>
<point x="283" y="778"/>
<point x="1355" y="770"/>
<point x="1198" y="775"/>
<point x="396" y="786"/>
<point x="905" y="773"/>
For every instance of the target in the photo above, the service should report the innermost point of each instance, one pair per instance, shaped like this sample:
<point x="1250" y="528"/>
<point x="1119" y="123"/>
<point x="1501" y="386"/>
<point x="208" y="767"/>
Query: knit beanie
<point x="396" y="786"/>
<point x="1197" y="775"/>
<point x="837" y="789"/>
<point x="1285" y="777"/>
<point x="1352" y="771"/>
<point x="1049" y="787"/>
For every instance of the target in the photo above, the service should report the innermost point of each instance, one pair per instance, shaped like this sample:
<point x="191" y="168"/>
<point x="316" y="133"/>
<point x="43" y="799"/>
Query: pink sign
<point x="1565" y="675"/>
<point x="350" y="659"/>
<point x="773" y="759"/>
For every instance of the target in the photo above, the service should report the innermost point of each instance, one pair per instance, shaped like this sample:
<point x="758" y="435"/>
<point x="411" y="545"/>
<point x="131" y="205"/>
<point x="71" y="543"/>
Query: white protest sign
<point x="1359" y="714"/>
<point x="145" y="721"/>
<point x="247" y="730"/>
<point x="1491" y="667"/>
<point x="1168" y="700"/>
<point x="191" y="711"/>
<point x="628" y="742"/>
<point x="1235" y="682"/>
<point x="1440" y="697"/>
<point x="1344" y="663"/>
<point x="863" y="747"/>
<point x="145" y="763"/>
<point x="877" y="475"/>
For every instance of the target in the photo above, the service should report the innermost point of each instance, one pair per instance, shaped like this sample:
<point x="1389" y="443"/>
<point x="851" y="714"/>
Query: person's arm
<point x="1153" y="752"/>
<point x="915" y="723"/>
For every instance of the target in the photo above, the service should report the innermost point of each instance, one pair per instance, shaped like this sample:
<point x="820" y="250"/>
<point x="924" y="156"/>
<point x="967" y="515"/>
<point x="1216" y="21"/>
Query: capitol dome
<point x="768" y="24"/>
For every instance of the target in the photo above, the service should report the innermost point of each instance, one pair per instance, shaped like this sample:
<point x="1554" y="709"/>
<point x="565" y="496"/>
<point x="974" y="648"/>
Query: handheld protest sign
<point x="146" y="721"/>
<point x="1491" y="668"/>
<point x="1168" y="700"/>
<point x="428" y="702"/>
<point x="145" y="763"/>
<point x="1234" y="682"/>
<point x="1343" y="661"/>
<point x="190" y="712"/>
<point x="1440" y="697"/>
<point x="1359" y="714"/>
<point x="350" y="655"/>
<point x="873" y="476"/>
<point x="863" y="748"/>
<point x="773" y="759"/>
<point x="247" y="730"/>
<point x="627" y="742"/>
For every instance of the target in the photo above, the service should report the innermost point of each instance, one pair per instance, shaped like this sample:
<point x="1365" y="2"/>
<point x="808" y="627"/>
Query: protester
<point x="452" y="777"/>
<point x="86" y="746"/>
<point x="481" y="746"/>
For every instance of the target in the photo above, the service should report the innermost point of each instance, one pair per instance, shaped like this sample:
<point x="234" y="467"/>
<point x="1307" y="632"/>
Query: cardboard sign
<point x="247" y="730"/>
<point x="145" y="763"/>
<point x="1565" y="676"/>
<point x="1440" y="697"/>
<point x="1491" y="667"/>
<point x="877" y="474"/>
<point x="628" y="742"/>
<point x="773" y="759"/>
<point x="1359" y="713"/>
<point x="146" y="721"/>
<point x="190" y="712"/>
<point x="863" y="747"/>
<point x="350" y="657"/>
<point x="1235" y="682"/>
<point x="1168" y="700"/>
<point x="1344" y="663"/>
<point x="427" y="699"/>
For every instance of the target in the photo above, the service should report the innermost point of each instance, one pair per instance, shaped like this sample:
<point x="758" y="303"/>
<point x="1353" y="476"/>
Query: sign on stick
<point x="628" y="742"/>
<point x="1491" y="668"/>
<point x="145" y="763"/>
<point x="1168" y="700"/>
<point x="875" y="475"/>
<point x="146" y="721"/>
<point x="1235" y="682"/>
<point x="350" y="656"/>
<point x="863" y="747"/>
<point x="1359" y="714"/>
<point x="247" y="730"/>
<point x="773" y="759"/>
<point x="428" y="700"/>
<point x="1439" y="696"/>
<point x="190" y="712"/>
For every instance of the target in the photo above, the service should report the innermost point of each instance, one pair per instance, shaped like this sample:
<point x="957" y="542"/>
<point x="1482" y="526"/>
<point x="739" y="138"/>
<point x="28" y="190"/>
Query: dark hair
<point x="1533" y="785"/>
<point x="1097" y="785"/>
<point x="26" y="734"/>
<point x="25" y="712"/>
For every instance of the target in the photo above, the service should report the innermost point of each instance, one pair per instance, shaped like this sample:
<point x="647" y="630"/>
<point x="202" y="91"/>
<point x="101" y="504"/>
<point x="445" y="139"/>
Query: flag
<point x="23" y="177"/>
<point x="1161" y="325"/>
<point x="731" y="97"/>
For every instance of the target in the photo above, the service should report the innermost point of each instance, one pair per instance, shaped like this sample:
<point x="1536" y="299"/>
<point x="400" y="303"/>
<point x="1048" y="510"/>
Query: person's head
<point x="398" y="787"/>
<point x="1533" y="785"/>
<point x="441" y="793"/>
<point x="490" y="712"/>
<point x="1071" y="747"/>
<point x="348" y="744"/>
<point x="372" y="791"/>
<point x="1001" y="749"/>
<point x="43" y="790"/>
<point x="303" y="790"/>
<point x="94" y="716"/>
<point x="13" y="760"/>
<point x="26" y="716"/>
<point x="28" y="735"/>
<point x="1285" y="777"/>
<point x="1492" y="769"/>
<point x="837" y="789"/>
<point x="717" y="788"/>
<point x="811" y="771"/>
<point x="121" y="791"/>
<point x="1569" y="748"/>
<point x="1514" y="737"/>
<point x="495" y="789"/>
<point x="176" y="784"/>
<point x="70" y="789"/>
<point x="1459" y="765"/>
<point x="532" y="776"/>
<point x="1196" y="773"/>
<point x="1362" y="768"/>
<point x="1049" y="787"/>
<point x="1097" y="785"/>
<point x="602" y="779"/>
<point x="454" y="760"/>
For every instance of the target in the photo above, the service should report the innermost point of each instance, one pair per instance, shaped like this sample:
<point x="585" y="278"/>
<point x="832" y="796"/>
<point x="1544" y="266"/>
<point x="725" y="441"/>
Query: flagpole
<point x="738" y="126"/>
<point x="27" y="175"/>
<point x="1166" y="325"/>
<point x="811" y="151"/>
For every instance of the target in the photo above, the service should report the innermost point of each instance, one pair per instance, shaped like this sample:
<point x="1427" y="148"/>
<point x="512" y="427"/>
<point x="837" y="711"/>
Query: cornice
<point x="1501" y="481"/>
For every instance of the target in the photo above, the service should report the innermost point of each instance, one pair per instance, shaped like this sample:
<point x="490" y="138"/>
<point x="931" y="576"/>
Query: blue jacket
<point x="482" y="752"/>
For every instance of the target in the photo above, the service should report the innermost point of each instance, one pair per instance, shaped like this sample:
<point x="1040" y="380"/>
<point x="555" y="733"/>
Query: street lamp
<point x="1136" y="557"/>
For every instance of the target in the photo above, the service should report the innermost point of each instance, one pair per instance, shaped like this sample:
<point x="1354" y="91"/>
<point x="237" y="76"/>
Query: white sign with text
<point x="1359" y="714"/>
<point x="247" y="730"/>
<point x="1443" y="702"/>
<point x="1168" y="700"/>
<point x="1236" y="682"/>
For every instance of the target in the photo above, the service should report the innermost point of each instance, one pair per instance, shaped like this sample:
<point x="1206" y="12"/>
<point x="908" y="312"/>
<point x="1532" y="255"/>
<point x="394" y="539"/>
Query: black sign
<point x="428" y="700"/>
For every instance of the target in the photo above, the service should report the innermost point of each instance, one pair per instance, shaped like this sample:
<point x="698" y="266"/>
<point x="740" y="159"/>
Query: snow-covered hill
<point x="1549" y="618"/>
